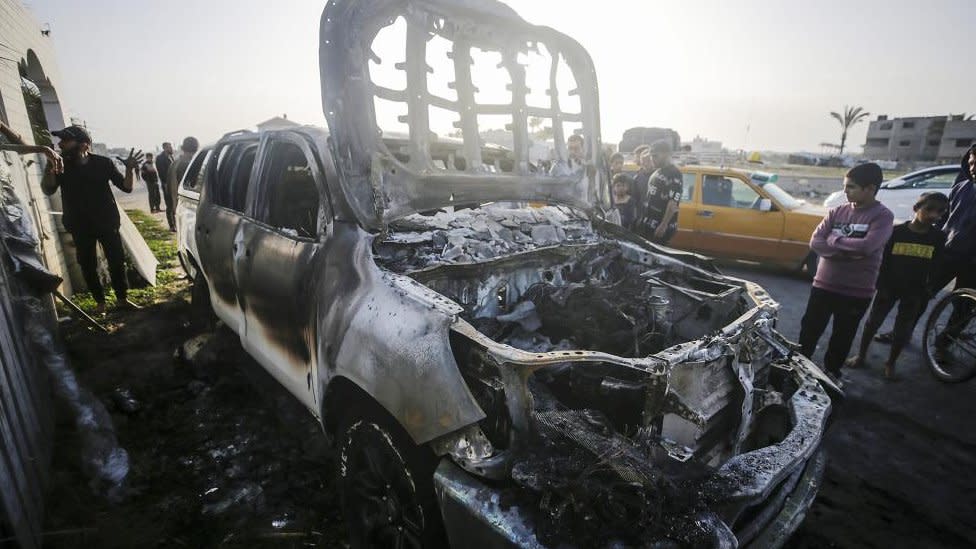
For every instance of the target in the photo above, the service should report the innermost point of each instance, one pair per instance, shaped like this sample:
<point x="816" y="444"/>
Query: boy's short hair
<point x="575" y="137"/>
<point x="616" y="156"/>
<point x="865" y="175"/>
<point x="931" y="196"/>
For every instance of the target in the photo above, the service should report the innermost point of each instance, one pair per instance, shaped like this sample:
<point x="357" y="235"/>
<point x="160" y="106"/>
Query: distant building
<point x="919" y="139"/>
<point x="277" y="123"/>
<point x="957" y="137"/>
<point x="702" y="145"/>
<point x="635" y="137"/>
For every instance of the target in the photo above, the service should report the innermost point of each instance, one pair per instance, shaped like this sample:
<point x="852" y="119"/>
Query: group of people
<point x="647" y="203"/>
<point x="167" y="170"/>
<point x="89" y="211"/>
<point x="867" y="262"/>
<point x="864" y="261"/>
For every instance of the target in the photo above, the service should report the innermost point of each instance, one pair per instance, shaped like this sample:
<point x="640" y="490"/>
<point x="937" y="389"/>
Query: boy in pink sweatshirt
<point x="850" y="242"/>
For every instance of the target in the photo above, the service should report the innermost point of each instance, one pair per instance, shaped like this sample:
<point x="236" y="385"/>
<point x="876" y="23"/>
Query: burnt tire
<point x="387" y="485"/>
<point x="202" y="315"/>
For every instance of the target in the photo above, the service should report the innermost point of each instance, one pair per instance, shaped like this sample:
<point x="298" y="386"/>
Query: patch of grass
<point x="169" y="274"/>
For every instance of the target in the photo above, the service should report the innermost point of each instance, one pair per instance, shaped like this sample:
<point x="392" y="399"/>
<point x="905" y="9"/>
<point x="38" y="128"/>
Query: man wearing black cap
<point x="175" y="175"/>
<point x="163" y="162"/>
<point x="663" y="195"/>
<point x="89" y="210"/>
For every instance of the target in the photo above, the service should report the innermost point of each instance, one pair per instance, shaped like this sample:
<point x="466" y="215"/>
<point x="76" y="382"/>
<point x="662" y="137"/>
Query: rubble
<point x="470" y="235"/>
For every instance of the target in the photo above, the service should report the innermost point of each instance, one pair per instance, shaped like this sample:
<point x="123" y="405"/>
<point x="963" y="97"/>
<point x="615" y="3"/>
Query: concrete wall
<point x="21" y="40"/>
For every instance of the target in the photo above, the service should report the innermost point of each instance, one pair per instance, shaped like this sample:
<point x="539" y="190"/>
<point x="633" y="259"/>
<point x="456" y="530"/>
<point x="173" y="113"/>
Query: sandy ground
<point x="215" y="462"/>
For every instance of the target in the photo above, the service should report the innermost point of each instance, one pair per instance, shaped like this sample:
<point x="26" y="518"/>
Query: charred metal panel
<point x="218" y="241"/>
<point x="390" y="336"/>
<point x="276" y="282"/>
<point x="380" y="187"/>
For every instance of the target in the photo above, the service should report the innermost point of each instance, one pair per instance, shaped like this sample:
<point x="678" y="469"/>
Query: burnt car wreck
<point x="498" y="365"/>
<point x="654" y="431"/>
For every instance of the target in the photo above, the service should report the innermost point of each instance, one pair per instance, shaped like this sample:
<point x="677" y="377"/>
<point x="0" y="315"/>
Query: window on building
<point x="878" y="142"/>
<point x="961" y="143"/>
<point x="728" y="192"/>
<point x="904" y="143"/>
<point x="292" y="196"/>
<point x="908" y="125"/>
<point x="885" y="126"/>
<point x="933" y="142"/>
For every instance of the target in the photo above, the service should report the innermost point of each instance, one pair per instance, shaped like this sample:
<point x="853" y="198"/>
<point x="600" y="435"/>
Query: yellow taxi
<point x="732" y="214"/>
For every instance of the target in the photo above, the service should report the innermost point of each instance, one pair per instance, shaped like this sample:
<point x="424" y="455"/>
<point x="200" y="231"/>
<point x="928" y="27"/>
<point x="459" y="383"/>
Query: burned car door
<point x="223" y="203"/>
<point x="277" y="268"/>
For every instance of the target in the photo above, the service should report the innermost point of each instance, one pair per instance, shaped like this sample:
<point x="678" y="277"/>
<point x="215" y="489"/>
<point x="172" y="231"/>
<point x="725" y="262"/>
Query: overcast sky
<point x="755" y="74"/>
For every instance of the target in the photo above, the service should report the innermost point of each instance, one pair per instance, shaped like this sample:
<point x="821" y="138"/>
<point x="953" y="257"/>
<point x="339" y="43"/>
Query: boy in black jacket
<point x="906" y="277"/>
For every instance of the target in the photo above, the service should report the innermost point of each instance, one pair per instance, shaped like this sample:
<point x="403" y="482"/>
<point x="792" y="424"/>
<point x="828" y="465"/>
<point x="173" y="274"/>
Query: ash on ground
<point x="214" y="462"/>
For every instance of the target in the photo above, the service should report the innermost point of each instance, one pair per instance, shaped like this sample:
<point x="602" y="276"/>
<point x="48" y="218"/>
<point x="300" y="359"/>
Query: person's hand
<point x="55" y="164"/>
<point x="659" y="232"/>
<point x="133" y="160"/>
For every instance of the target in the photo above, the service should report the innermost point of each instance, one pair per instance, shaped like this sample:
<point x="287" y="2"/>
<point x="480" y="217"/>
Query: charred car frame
<point x="497" y="364"/>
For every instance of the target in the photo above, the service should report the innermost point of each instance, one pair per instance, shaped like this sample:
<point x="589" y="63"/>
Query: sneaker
<point x="100" y="308"/>
<point x="884" y="337"/>
<point x="854" y="362"/>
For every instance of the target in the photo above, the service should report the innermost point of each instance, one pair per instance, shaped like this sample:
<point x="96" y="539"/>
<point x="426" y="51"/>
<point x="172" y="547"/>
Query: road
<point x="902" y="454"/>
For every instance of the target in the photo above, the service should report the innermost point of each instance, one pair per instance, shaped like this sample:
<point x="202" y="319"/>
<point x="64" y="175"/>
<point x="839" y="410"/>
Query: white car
<point x="900" y="194"/>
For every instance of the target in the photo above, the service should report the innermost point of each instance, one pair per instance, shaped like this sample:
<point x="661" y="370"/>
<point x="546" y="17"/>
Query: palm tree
<point x="851" y="116"/>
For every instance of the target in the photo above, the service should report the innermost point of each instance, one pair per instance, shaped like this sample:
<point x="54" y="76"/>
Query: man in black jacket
<point x="163" y="162"/>
<point x="89" y="210"/>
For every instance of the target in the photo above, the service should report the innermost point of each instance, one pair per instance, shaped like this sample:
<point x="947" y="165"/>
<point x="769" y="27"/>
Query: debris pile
<point x="471" y="235"/>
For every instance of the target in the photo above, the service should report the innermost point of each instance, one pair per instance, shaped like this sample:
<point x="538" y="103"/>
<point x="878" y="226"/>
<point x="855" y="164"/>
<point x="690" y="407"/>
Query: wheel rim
<point x="381" y="500"/>
<point x="950" y="341"/>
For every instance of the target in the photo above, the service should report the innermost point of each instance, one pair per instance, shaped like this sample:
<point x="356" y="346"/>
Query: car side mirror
<point x="765" y="205"/>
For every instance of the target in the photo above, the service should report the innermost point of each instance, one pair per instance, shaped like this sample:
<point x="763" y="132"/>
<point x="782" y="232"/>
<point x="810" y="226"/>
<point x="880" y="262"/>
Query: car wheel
<point x="811" y="265"/>
<point x="387" y="487"/>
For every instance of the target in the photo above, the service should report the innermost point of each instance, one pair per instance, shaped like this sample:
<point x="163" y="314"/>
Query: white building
<point x="27" y="62"/>
<point x="277" y="123"/>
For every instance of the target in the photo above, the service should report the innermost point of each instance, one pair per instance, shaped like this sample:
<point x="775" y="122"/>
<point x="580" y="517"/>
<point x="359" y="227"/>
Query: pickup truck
<point x="495" y="363"/>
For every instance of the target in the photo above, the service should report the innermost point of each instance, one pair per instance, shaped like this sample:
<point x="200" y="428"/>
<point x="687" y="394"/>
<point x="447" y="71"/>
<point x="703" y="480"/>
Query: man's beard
<point x="71" y="155"/>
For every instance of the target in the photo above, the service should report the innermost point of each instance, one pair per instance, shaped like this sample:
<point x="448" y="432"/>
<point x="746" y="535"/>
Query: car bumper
<point x="772" y="490"/>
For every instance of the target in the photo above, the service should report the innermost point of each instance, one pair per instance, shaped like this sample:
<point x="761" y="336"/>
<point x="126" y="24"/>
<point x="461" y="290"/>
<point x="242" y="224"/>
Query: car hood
<point x="381" y="185"/>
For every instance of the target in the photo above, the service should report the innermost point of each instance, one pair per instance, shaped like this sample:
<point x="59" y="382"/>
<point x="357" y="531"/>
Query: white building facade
<point x="27" y="62"/>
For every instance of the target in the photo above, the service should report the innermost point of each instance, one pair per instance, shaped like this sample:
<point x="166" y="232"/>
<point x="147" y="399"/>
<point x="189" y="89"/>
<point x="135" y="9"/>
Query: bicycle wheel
<point x="949" y="344"/>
